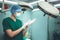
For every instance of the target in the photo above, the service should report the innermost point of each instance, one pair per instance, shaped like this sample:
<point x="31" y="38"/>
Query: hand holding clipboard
<point x="29" y="23"/>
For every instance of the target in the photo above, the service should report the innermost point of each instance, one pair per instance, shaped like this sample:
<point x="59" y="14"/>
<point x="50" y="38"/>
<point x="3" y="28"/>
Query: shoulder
<point x="5" y="19"/>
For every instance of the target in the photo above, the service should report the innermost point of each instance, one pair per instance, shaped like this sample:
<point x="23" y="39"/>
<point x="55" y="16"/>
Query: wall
<point x="52" y="25"/>
<point x="39" y="28"/>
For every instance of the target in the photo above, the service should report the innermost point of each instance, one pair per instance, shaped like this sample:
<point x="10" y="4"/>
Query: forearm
<point x="17" y="31"/>
<point x="14" y="33"/>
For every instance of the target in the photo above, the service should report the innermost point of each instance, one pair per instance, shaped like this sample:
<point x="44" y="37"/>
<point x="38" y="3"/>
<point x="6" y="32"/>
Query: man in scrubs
<point x="13" y="28"/>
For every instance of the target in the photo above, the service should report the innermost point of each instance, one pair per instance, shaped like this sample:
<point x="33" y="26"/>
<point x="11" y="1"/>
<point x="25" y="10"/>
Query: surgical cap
<point x="15" y="8"/>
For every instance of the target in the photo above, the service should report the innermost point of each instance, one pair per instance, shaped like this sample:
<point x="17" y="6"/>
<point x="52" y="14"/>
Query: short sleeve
<point x="5" y="25"/>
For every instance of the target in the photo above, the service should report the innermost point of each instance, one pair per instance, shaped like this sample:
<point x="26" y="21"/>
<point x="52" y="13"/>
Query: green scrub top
<point x="8" y="23"/>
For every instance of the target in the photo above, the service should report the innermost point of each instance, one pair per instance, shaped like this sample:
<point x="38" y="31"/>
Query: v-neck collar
<point x="13" y="20"/>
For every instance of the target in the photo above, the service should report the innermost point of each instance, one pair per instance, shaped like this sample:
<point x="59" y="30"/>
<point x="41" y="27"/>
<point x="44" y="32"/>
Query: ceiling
<point x="28" y="1"/>
<point x="52" y="0"/>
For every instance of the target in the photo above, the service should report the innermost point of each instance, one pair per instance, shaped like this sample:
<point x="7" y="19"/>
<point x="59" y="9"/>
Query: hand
<point x="30" y="22"/>
<point x="25" y="25"/>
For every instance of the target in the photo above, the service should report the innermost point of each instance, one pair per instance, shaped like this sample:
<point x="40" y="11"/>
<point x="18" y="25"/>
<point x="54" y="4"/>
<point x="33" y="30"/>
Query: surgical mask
<point x="18" y="15"/>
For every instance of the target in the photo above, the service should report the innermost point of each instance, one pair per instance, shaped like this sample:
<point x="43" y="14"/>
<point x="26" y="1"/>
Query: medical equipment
<point x="48" y="9"/>
<point x="21" y="3"/>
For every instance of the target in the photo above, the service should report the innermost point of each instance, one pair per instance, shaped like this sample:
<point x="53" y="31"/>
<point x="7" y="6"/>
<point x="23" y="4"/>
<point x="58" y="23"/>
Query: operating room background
<point x="40" y="29"/>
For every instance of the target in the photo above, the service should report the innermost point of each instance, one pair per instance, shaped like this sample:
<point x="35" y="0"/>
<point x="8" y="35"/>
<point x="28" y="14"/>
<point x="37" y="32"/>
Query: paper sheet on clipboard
<point x="29" y="22"/>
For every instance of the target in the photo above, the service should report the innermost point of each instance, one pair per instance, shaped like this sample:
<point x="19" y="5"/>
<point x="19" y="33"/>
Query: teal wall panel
<point x="39" y="28"/>
<point x="52" y="25"/>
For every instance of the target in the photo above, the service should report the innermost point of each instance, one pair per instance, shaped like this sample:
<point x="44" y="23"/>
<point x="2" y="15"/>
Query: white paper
<point x="26" y="23"/>
<point x="29" y="22"/>
<point x="32" y="21"/>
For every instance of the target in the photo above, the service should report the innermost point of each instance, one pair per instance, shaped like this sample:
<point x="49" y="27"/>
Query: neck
<point x="13" y="18"/>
